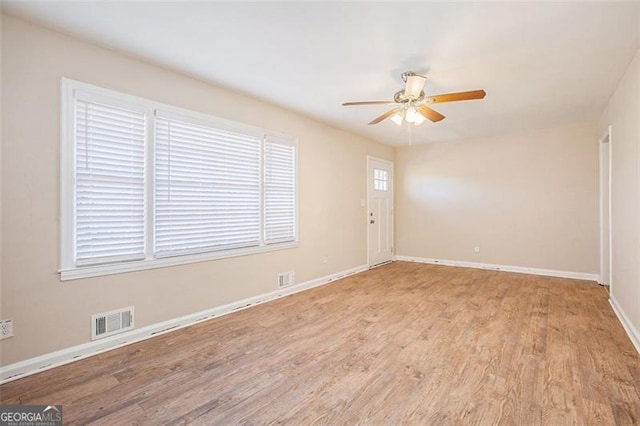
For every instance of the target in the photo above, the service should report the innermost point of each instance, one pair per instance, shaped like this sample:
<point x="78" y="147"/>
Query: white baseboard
<point x="633" y="334"/>
<point x="506" y="268"/>
<point x="75" y="353"/>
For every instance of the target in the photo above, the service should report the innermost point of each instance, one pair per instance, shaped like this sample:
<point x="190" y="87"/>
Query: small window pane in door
<point x="380" y="180"/>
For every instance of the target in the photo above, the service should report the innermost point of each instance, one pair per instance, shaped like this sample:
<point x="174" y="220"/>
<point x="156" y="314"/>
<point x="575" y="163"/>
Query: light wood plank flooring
<point x="403" y="343"/>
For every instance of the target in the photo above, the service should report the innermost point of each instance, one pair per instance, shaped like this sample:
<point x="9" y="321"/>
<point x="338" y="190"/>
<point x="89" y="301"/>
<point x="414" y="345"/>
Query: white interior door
<point x="379" y="210"/>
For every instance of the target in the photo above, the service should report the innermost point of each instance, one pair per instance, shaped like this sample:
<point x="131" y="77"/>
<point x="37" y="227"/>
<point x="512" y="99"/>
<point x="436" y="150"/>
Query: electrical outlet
<point x="476" y="249"/>
<point x="6" y="329"/>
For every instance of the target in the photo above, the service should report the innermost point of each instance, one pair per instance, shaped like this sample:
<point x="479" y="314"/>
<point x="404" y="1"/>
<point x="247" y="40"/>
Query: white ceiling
<point x="541" y="64"/>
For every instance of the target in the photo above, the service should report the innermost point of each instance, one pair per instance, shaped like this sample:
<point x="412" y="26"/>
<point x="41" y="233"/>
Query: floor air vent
<point x="112" y="322"/>
<point x="286" y="279"/>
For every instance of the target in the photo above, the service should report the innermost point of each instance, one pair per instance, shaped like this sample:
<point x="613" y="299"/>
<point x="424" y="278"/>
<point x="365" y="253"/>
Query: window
<point x="380" y="180"/>
<point x="207" y="188"/>
<point x="279" y="190"/>
<point x="146" y="185"/>
<point x="109" y="189"/>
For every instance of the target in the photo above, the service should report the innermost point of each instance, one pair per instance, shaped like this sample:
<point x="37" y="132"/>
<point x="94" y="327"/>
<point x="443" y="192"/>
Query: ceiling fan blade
<point x="368" y="103"/>
<point x="429" y="113"/>
<point x="459" y="96"/>
<point x="413" y="87"/>
<point x="385" y="116"/>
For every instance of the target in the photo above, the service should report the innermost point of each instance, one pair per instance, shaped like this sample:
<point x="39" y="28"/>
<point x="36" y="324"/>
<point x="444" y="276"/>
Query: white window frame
<point x="70" y="89"/>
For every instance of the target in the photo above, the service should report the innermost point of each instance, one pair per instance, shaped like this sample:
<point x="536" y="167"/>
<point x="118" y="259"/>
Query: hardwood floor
<point x="403" y="343"/>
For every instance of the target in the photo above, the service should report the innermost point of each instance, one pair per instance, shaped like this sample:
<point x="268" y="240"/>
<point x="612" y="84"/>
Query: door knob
<point x="372" y="221"/>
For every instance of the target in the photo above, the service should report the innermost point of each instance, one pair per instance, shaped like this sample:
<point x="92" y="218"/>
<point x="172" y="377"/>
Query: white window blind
<point x="145" y="185"/>
<point x="279" y="191"/>
<point x="109" y="184"/>
<point x="207" y="188"/>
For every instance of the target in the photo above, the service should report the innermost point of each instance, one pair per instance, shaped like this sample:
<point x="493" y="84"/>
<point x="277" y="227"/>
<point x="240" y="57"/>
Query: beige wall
<point x="526" y="200"/>
<point x="51" y="315"/>
<point x="623" y="114"/>
<point x="1" y="149"/>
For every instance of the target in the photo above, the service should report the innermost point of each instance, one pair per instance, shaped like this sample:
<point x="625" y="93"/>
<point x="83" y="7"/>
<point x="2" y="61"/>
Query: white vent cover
<point x="112" y="322"/>
<point x="286" y="279"/>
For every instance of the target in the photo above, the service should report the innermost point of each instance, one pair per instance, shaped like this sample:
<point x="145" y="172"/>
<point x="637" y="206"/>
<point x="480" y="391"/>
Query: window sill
<point x="142" y="265"/>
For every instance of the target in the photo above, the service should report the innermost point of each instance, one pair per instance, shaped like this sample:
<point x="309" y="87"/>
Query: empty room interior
<point x="331" y="213"/>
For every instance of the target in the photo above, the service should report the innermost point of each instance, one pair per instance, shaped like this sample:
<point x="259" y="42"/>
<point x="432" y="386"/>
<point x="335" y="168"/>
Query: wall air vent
<point x="112" y="322"/>
<point x="285" y="279"/>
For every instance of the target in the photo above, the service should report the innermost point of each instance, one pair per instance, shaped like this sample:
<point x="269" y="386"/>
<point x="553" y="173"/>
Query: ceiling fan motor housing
<point x="401" y="98"/>
<point x="414" y="83"/>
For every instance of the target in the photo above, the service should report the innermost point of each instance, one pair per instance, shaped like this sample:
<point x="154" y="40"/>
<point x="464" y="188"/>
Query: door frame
<point x="392" y="215"/>
<point x="605" y="145"/>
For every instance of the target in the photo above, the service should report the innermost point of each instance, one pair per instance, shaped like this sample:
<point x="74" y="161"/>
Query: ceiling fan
<point x="411" y="103"/>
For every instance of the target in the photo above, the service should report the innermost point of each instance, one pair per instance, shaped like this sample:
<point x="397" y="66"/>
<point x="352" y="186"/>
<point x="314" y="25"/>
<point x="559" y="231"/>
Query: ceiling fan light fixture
<point x="418" y="121"/>
<point x="414" y="117"/>
<point x="398" y="117"/>
<point x="415" y="84"/>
